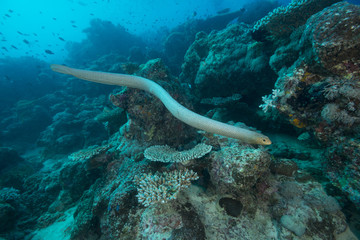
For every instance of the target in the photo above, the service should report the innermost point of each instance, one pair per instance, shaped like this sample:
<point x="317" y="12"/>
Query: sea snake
<point x="180" y="112"/>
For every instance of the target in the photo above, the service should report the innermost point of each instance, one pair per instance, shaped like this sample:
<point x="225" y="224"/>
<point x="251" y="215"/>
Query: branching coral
<point x="269" y="100"/>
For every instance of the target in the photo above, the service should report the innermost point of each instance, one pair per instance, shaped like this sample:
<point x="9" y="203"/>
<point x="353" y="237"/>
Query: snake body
<point x="176" y="109"/>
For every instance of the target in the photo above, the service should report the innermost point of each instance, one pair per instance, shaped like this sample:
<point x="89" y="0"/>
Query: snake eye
<point x="265" y="141"/>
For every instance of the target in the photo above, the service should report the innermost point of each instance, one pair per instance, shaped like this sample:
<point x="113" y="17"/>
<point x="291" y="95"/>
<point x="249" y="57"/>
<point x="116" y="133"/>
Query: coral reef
<point x="73" y="127"/>
<point x="229" y="59"/>
<point x="235" y="169"/>
<point x="113" y="119"/>
<point x="103" y="37"/>
<point x="282" y="21"/>
<point x="149" y="119"/>
<point x="167" y="154"/>
<point x="179" y="39"/>
<point x="319" y="93"/>
<point x="239" y="196"/>
<point x="112" y="172"/>
<point x="9" y="157"/>
<point x="9" y="194"/>
<point x="161" y="188"/>
<point x="333" y="36"/>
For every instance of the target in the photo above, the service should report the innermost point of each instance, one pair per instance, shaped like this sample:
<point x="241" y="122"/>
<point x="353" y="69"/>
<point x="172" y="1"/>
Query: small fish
<point x="72" y="21"/>
<point x="20" y="33"/>
<point x="35" y="34"/>
<point x="14" y="47"/>
<point x="26" y="41"/>
<point x="194" y="14"/>
<point x="62" y="39"/>
<point x="10" y="11"/>
<point x="4" y="48"/>
<point x="7" y="15"/>
<point x="225" y="10"/>
<point x="74" y="26"/>
<point x="54" y="18"/>
<point x="82" y="4"/>
<point x="48" y="51"/>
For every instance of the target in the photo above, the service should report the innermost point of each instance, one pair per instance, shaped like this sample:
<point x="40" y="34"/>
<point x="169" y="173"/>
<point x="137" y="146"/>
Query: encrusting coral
<point x="161" y="188"/>
<point x="283" y="20"/>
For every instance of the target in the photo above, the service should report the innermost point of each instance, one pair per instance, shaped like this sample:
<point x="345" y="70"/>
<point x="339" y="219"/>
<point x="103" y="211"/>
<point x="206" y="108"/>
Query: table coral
<point x="167" y="154"/>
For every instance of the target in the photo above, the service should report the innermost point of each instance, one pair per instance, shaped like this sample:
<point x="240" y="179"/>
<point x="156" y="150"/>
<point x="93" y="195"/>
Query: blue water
<point x="43" y="22"/>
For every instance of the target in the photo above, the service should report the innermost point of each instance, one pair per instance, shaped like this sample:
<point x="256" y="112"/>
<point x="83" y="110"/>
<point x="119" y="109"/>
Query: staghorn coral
<point x="168" y="154"/>
<point x="161" y="188"/>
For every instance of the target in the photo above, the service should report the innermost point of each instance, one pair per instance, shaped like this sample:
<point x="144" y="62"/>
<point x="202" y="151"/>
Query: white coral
<point x="269" y="100"/>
